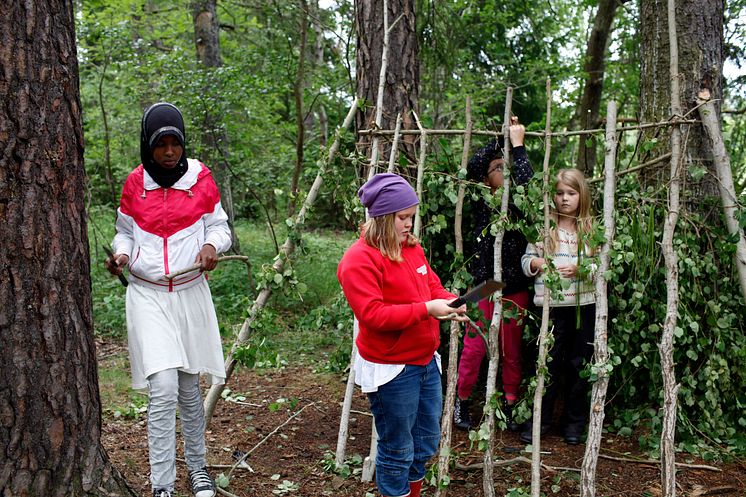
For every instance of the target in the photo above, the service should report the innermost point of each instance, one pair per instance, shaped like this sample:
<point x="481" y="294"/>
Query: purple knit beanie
<point x="386" y="193"/>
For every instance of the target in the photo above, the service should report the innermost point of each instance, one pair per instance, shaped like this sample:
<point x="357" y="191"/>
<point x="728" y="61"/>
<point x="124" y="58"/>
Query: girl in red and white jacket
<point x="170" y="218"/>
<point x="396" y="296"/>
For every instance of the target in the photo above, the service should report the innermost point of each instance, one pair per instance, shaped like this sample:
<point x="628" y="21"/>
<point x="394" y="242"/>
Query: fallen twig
<point x="497" y="463"/>
<point x="243" y="458"/>
<point x="225" y="492"/>
<point x="653" y="461"/>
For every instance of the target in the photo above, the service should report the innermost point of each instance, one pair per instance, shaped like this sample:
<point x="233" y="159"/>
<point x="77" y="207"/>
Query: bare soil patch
<point x="295" y="452"/>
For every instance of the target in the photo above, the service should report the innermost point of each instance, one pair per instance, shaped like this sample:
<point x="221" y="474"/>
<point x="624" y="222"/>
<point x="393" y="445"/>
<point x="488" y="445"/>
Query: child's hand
<point x="517" y="132"/>
<point x="440" y="309"/>
<point x="115" y="263"/>
<point x="569" y="271"/>
<point x="537" y="264"/>
<point x="208" y="257"/>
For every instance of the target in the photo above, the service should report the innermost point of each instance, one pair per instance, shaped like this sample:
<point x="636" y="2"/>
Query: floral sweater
<point x="580" y="290"/>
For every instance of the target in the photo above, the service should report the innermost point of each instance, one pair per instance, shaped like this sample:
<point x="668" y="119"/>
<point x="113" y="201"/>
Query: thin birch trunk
<point x="670" y="388"/>
<point x="541" y="363"/>
<point x="446" y="425"/>
<point x="381" y="84"/>
<point x="344" y="420"/>
<point x="369" y="463"/>
<point x="286" y="251"/>
<point x="420" y="174"/>
<point x="601" y="353"/>
<point x="708" y="115"/>
<point x="395" y="145"/>
<point x="490" y="402"/>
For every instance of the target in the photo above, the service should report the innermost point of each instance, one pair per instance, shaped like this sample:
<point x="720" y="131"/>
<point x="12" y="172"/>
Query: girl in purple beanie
<point x="398" y="300"/>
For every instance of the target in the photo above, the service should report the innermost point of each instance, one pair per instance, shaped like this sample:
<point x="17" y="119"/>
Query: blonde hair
<point x="575" y="179"/>
<point x="380" y="232"/>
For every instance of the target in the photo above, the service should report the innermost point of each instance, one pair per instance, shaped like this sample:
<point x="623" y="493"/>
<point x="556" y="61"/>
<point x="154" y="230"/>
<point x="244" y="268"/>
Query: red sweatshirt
<point x="388" y="299"/>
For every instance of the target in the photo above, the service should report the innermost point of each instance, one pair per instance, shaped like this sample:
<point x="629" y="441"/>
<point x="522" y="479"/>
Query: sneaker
<point x="162" y="492"/>
<point x="461" y="418"/>
<point x="202" y="484"/>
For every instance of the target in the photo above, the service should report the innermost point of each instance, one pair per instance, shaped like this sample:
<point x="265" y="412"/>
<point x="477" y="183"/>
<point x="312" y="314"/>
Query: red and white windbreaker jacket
<point x="163" y="229"/>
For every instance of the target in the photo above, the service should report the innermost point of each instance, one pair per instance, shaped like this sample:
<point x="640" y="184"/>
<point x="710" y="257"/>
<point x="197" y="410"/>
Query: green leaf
<point x="222" y="481"/>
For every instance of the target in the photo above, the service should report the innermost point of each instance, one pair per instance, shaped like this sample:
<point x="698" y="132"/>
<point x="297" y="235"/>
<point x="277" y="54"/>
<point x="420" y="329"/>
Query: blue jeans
<point x="407" y="413"/>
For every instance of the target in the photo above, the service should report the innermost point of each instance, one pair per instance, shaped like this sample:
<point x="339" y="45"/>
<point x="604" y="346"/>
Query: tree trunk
<point x="319" y="62"/>
<point x="590" y="103"/>
<point x="699" y="24"/>
<point x="402" y="79"/>
<point x="207" y="42"/>
<point x="298" y="89"/>
<point x="50" y="412"/>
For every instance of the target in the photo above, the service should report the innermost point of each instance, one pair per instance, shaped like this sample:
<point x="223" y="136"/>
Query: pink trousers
<point x="510" y="349"/>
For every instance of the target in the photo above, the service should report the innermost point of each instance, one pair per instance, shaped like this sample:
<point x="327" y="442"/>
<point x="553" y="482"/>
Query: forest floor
<point x="288" y="420"/>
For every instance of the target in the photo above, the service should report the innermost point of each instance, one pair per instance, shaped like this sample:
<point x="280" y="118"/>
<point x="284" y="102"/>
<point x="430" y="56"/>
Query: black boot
<point x="509" y="420"/>
<point x="461" y="417"/>
<point x="527" y="435"/>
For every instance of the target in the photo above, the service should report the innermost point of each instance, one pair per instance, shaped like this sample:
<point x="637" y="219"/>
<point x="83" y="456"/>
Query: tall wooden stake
<point x="541" y="362"/>
<point x="381" y="84"/>
<point x="601" y="353"/>
<point x="369" y="464"/>
<point x="494" y="336"/>
<point x="670" y="388"/>
<point x="420" y="173"/>
<point x="446" y="425"/>
<point x="395" y="145"/>
<point x="709" y="116"/>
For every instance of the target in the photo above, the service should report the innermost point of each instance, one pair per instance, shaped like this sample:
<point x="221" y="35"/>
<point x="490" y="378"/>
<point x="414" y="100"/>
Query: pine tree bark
<point x="50" y="412"/>
<point x="402" y="79"/>
<point x="699" y="24"/>
<point x="207" y="42"/>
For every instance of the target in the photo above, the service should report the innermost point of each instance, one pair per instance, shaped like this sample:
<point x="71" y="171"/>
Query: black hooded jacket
<point x="482" y="262"/>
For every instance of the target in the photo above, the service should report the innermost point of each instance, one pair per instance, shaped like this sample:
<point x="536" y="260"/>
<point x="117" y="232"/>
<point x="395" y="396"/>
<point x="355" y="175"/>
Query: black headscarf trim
<point x="159" y="120"/>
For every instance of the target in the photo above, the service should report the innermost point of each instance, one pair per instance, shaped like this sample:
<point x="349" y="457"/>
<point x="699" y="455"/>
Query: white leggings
<point x="166" y="389"/>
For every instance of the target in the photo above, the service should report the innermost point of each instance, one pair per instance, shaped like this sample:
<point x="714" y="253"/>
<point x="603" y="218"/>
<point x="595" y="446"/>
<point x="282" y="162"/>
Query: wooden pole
<point x="381" y="86"/>
<point x="446" y="424"/>
<point x="395" y="145"/>
<point x="601" y="364"/>
<point x="541" y="362"/>
<point x="420" y="174"/>
<point x="197" y="267"/>
<point x="490" y="404"/>
<point x="286" y="251"/>
<point x="538" y="134"/>
<point x="721" y="159"/>
<point x="670" y="387"/>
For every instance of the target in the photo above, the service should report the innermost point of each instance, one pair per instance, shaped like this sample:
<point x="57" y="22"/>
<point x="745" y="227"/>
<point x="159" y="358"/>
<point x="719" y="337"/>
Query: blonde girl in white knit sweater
<point x="572" y="313"/>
